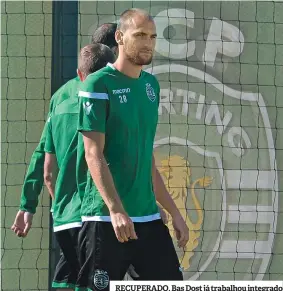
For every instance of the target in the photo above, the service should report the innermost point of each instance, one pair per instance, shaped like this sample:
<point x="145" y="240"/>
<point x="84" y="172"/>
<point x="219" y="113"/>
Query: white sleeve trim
<point x="103" y="96"/>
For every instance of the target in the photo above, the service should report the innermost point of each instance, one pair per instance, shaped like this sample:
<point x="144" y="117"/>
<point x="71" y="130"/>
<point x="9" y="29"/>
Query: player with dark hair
<point x="61" y="149"/>
<point x="34" y="179"/>
<point x="121" y="220"/>
<point x="106" y="34"/>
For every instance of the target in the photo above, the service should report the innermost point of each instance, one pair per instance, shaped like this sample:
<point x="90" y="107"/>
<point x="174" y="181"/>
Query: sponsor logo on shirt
<point x="121" y="91"/>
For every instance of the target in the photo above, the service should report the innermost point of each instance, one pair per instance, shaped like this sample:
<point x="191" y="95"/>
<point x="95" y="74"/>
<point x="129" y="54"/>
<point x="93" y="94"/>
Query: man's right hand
<point x="123" y="226"/>
<point x="22" y="223"/>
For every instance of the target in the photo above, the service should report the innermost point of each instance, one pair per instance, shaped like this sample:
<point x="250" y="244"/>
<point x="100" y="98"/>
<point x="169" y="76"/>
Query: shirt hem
<point x="91" y="129"/>
<point x="147" y="218"/>
<point x="67" y="226"/>
<point x="49" y="151"/>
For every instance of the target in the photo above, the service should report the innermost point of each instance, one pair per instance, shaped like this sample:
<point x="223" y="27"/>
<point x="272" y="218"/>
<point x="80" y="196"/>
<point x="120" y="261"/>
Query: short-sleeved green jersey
<point x="62" y="140"/>
<point x="126" y="110"/>
<point x="34" y="178"/>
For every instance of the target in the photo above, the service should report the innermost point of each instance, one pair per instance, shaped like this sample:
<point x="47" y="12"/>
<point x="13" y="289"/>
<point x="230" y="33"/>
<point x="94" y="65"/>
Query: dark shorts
<point x="67" y="269"/>
<point x="104" y="258"/>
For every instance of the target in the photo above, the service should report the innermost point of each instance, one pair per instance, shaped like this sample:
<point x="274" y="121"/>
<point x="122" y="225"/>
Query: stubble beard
<point x="135" y="59"/>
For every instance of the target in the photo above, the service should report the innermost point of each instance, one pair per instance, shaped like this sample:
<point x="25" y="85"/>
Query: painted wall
<point x="220" y="67"/>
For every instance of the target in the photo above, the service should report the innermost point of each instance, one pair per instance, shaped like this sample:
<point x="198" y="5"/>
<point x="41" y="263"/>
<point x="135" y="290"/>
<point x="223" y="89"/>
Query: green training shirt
<point x="33" y="182"/>
<point x="126" y="110"/>
<point x="62" y="140"/>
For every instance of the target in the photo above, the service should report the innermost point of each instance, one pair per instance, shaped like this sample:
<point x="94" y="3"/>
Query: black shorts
<point x="67" y="269"/>
<point x="104" y="258"/>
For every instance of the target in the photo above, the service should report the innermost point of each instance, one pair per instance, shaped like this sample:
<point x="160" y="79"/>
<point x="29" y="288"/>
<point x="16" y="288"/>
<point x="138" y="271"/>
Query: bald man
<point x="121" y="220"/>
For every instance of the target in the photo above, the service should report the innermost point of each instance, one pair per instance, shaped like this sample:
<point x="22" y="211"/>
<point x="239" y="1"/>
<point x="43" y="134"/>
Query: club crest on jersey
<point x="87" y="107"/>
<point x="100" y="279"/>
<point x="150" y="92"/>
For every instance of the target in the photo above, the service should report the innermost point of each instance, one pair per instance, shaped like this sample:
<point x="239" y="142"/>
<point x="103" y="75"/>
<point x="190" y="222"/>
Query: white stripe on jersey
<point x="103" y="96"/>
<point x="147" y="218"/>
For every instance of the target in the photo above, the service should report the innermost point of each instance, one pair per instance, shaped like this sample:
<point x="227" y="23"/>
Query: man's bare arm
<point x="166" y="201"/>
<point x="101" y="175"/>
<point x="50" y="173"/>
<point x="162" y="212"/>
<point x="161" y="193"/>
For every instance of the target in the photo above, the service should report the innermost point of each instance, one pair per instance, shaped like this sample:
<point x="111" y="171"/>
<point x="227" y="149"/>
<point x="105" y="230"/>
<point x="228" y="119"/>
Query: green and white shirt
<point x="126" y="111"/>
<point x="62" y="140"/>
<point x="33" y="182"/>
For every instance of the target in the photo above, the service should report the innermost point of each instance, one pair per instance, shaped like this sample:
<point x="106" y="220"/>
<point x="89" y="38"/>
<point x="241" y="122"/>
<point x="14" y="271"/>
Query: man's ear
<point x="81" y="75"/>
<point x="119" y="37"/>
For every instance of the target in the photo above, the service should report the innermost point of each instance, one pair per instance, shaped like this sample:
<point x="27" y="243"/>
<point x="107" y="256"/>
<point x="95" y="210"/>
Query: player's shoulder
<point x="96" y="82"/>
<point x="73" y="82"/>
<point x="98" y="76"/>
<point x="66" y="87"/>
<point x="149" y="78"/>
<point x="70" y="86"/>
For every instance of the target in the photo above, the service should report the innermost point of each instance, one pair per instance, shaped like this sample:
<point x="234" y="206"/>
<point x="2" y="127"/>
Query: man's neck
<point x="127" y="68"/>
